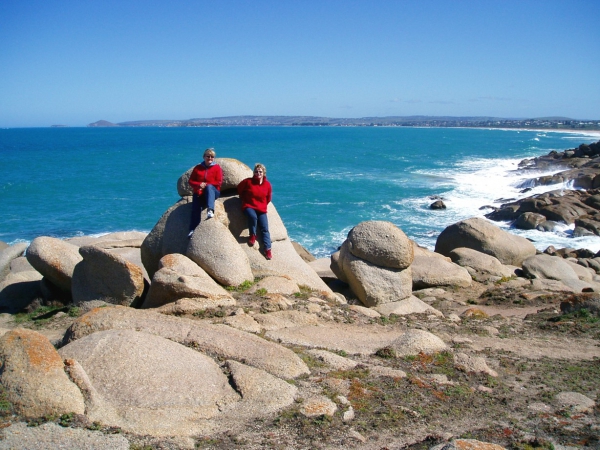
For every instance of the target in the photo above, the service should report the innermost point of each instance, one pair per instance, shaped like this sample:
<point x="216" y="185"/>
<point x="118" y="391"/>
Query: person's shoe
<point x="190" y="234"/>
<point x="210" y="214"/>
<point x="268" y="254"/>
<point x="252" y="240"/>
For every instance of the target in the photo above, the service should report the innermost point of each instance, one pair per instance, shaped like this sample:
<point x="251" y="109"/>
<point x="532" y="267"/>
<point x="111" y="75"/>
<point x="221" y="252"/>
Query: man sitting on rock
<point x="206" y="180"/>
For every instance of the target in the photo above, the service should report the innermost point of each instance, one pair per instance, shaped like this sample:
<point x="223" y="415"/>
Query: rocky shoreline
<point x="156" y="341"/>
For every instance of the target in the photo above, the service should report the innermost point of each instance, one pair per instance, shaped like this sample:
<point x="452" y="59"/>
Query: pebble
<point x="348" y="415"/>
<point x="356" y="435"/>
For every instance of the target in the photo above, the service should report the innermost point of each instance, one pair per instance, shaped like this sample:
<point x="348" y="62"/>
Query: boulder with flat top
<point x="102" y="275"/>
<point x="178" y="278"/>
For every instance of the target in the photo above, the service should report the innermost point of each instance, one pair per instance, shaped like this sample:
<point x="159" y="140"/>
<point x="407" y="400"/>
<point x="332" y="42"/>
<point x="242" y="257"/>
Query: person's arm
<point x="269" y="194"/>
<point x="195" y="181"/>
<point x="241" y="187"/>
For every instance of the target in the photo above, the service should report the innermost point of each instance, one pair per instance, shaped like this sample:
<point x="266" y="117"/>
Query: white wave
<point x="560" y="238"/>
<point x="479" y="183"/>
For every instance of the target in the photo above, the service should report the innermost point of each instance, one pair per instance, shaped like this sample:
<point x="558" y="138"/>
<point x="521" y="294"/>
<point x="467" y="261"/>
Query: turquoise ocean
<point x="66" y="182"/>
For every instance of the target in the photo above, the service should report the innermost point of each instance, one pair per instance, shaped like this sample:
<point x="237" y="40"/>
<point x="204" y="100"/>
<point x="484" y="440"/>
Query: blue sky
<point x="75" y="62"/>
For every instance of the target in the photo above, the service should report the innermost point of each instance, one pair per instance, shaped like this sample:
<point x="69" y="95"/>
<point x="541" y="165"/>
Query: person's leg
<point x="196" y="210"/>
<point x="263" y="226"/>
<point x="252" y="219"/>
<point x="211" y="193"/>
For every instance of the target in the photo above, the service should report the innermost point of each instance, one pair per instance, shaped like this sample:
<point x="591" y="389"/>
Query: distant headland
<point x="553" y="123"/>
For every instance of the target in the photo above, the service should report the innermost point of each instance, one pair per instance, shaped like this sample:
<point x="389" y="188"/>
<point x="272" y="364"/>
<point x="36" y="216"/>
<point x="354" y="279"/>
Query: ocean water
<point x="66" y="182"/>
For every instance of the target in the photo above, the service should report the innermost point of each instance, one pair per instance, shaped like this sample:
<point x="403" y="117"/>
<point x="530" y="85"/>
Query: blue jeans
<point x="204" y="200"/>
<point x="255" y="217"/>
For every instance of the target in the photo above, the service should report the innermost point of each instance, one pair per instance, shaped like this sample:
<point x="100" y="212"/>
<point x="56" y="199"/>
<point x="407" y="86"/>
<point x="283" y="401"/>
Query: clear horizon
<point x="73" y="63"/>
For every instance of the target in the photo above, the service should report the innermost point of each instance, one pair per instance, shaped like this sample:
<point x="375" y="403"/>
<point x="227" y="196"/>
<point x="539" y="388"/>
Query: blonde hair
<point x="210" y="152"/>
<point x="261" y="166"/>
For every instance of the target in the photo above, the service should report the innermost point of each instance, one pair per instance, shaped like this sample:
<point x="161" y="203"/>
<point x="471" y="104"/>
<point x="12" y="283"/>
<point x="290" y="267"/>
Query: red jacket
<point x="255" y="195"/>
<point x="209" y="175"/>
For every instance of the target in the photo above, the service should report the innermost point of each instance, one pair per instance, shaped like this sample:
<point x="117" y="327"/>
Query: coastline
<point x="591" y="133"/>
<point x="588" y="133"/>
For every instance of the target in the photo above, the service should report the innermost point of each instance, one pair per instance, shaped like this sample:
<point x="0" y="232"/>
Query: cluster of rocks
<point x="382" y="267"/>
<point x="160" y="268"/>
<point x="545" y="211"/>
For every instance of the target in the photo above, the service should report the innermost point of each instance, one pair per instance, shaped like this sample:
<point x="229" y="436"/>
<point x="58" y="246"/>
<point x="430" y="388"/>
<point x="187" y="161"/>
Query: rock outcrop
<point x="414" y="342"/>
<point x="124" y="374"/>
<point x="220" y="340"/>
<point x="481" y="235"/>
<point x="374" y="285"/>
<point x="219" y="245"/>
<point x="481" y="262"/>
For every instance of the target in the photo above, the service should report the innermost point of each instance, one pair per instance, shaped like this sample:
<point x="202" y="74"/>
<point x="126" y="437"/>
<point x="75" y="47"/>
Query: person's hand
<point x="202" y="185"/>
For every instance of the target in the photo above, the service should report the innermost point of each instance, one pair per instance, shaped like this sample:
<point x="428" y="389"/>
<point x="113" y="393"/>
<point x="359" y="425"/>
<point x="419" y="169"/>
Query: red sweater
<point x="255" y="195"/>
<point x="209" y="175"/>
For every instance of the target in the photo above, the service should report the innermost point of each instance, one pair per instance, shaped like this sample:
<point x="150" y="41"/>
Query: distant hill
<point x="390" y="121"/>
<point x="103" y="123"/>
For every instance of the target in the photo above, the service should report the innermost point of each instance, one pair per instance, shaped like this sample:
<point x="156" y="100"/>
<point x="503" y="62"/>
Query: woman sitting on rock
<point x="206" y="180"/>
<point x="256" y="193"/>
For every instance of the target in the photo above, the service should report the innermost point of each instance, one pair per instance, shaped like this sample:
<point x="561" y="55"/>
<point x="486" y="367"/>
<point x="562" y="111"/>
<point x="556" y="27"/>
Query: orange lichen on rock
<point x="471" y="444"/>
<point x="39" y="353"/>
<point x="474" y="313"/>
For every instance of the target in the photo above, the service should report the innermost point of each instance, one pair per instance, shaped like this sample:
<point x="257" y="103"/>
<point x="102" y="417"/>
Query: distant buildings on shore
<point x="410" y="121"/>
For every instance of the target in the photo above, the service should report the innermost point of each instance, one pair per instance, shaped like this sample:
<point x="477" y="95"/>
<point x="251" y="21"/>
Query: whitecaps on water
<point x="491" y="182"/>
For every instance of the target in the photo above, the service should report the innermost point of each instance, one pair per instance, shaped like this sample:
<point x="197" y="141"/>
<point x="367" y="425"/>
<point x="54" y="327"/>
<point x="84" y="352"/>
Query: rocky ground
<point x="536" y="358"/>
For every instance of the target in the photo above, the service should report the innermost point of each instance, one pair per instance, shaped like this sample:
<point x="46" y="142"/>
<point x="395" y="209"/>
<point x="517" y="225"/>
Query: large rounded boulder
<point x="33" y="376"/>
<point x="467" y="257"/>
<point x="549" y="267"/>
<point x="147" y="384"/>
<point x="54" y="259"/>
<point x="381" y="243"/>
<point x="375" y="285"/>
<point x="432" y="272"/>
<point x="481" y="235"/>
<point x="170" y="234"/>
<point x="215" y="249"/>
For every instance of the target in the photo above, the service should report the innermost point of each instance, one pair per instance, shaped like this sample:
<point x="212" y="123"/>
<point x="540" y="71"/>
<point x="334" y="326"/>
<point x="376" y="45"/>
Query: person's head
<point x="209" y="155"/>
<point x="260" y="170"/>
